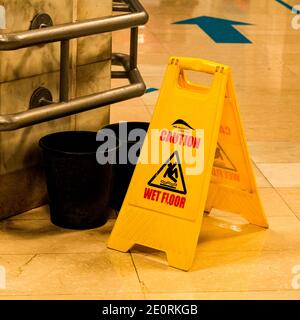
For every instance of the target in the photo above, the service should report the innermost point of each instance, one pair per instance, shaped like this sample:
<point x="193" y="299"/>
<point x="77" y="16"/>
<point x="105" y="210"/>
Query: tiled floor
<point x="234" y="260"/>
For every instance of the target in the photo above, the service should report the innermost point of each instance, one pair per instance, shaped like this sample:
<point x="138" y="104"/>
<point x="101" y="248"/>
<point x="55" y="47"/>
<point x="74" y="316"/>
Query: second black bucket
<point x="79" y="188"/>
<point x="123" y="172"/>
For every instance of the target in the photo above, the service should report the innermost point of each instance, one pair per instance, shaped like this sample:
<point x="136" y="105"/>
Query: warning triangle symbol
<point x="170" y="176"/>
<point x="222" y="160"/>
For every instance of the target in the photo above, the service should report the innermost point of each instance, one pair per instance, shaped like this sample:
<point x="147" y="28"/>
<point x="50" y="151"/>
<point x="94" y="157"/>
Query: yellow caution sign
<point x="194" y="159"/>
<point x="233" y="186"/>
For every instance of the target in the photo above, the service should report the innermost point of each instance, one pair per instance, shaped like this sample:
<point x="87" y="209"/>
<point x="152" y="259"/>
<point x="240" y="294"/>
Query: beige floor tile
<point x="144" y="48"/>
<point x="233" y="235"/>
<point x="107" y="273"/>
<point x="273" y="100"/>
<point x="261" y="180"/>
<point x="273" y="204"/>
<point x="153" y="70"/>
<point x="279" y="114"/>
<point x="256" y="130"/>
<point x="98" y="297"/>
<point x="292" y="197"/>
<point x="150" y="109"/>
<point x="274" y="152"/>
<point x="127" y="112"/>
<point x="259" y="74"/>
<point x="273" y="37"/>
<point x="219" y="271"/>
<point x="254" y="295"/>
<point x="154" y="58"/>
<point x="150" y="99"/>
<point x="293" y="47"/>
<point x="35" y="214"/>
<point x="128" y="104"/>
<point x="281" y="175"/>
<point x="115" y="83"/>
<point x="147" y="43"/>
<point x="290" y="58"/>
<point x="295" y="68"/>
<point x="218" y="53"/>
<point x="40" y="236"/>
<point x="154" y="81"/>
<point x="291" y="61"/>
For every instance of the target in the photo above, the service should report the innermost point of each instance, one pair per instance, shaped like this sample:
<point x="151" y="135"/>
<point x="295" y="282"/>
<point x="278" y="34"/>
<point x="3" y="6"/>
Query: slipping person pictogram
<point x="170" y="176"/>
<point x="171" y="172"/>
<point x="222" y="160"/>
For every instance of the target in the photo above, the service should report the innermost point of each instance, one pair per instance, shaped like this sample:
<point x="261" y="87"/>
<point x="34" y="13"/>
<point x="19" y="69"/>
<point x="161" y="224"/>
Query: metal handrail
<point x="58" y="110"/>
<point x="14" y="41"/>
<point x="64" y="33"/>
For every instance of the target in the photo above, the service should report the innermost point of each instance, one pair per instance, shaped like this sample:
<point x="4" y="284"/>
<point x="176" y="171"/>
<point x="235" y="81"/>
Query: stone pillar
<point x="22" y="185"/>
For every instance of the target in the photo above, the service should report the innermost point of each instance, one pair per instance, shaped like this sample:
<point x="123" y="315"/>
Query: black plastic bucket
<point x="123" y="172"/>
<point x="79" y="188"/>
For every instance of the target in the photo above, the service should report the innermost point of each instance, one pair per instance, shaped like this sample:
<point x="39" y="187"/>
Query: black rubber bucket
<point x="123" y="172"/>
<point x="79" y="188"/>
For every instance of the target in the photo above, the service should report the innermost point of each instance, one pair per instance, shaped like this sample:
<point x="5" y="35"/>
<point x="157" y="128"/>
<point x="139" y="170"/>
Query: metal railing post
<point x="64" y="71"/>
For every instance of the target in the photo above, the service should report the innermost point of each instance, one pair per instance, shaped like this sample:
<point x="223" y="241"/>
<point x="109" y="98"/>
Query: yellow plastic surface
<point x="168" y="217"/>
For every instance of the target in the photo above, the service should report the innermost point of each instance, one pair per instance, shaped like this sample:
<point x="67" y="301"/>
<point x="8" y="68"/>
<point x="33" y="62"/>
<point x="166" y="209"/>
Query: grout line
<point x="141" y="253"/>
<point x="30" y="260"/>
<point x="276" y="190"/>
<point x="258" y="169"/>
<point x="142" y="284"/>
<point x="295" y="73"/>
<point x="153" y="293"/>
<point x="216" y="291"/>
<point x="70" y="294"/>
<point x="286" y="203"/>
<point x="149" y="111"/>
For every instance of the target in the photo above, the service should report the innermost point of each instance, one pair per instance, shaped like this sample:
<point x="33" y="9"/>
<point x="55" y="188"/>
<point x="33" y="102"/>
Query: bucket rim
<point x="115" y="125"/>
<point x="44" y="147"/>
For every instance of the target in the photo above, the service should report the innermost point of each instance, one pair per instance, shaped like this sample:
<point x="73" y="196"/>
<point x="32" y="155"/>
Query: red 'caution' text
<point x="180" y="139"/>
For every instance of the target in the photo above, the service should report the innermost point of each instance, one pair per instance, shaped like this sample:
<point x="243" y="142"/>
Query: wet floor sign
<point x="194" y="159"/>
